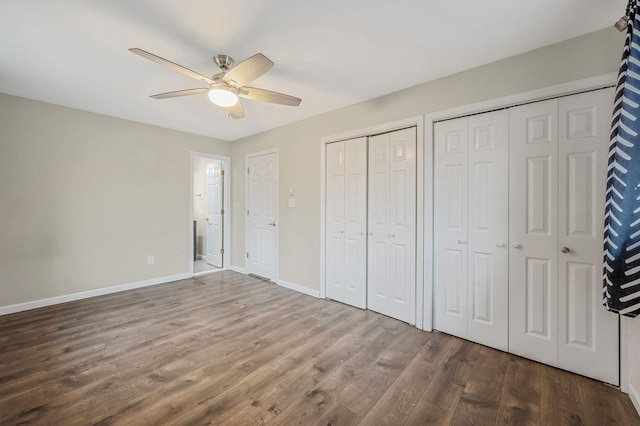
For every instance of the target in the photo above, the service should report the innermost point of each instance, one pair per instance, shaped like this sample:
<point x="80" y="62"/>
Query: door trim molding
<point x="226" y="223"/>
<point x="276" y="151"/>
<point x="421" y="185"/>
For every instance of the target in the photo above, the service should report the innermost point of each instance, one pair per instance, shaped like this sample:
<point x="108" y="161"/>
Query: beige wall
<point x="299" y="143"/>
<point x="85" y="198"/>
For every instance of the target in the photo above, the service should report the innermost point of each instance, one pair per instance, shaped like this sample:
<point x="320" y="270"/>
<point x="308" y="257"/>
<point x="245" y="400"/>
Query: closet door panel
<point x="335" y="221"/>
<point x="533" y="231"/>
<point x="402" y="230"/>
<point x="450" y="233"/>
<point x="355" y="222"/>
<point x="488" y="283"/>
<point x="392" y="224"/>
<point x="378" y="241"/>
<point x="346" y="252"/>
<point x="588" y="333"/>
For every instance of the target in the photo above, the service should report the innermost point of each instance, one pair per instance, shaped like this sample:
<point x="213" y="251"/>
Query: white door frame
<point x="276" y="268"/>
<point x="421" y="184"/>
<point x="226" y="184"/>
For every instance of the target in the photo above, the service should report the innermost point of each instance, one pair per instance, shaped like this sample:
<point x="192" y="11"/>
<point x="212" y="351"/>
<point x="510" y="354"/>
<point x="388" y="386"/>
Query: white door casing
<point x="262" y="214"/>
<point x="346" y="220"/>
<point x="392" y="224"/>
<point x="215" y="176"/>
<point x="588" y="333"/>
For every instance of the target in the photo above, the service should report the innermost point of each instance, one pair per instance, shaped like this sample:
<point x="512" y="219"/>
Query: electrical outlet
<point x="150" y="260"/>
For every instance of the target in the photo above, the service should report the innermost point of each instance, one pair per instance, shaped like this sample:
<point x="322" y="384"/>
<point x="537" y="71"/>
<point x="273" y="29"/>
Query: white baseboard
<point x="19" y="307"/>
<point x="238" y="269"/>
<point x="635" y="396"/>
<point x="298" y="288"/>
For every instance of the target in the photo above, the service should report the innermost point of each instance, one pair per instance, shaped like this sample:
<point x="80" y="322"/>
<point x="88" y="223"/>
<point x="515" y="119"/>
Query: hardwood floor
<point x="227" y="348"/>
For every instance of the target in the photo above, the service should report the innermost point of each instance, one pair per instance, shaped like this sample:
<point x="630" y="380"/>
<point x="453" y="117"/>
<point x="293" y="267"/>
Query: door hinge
<point x="247" y="255"/>
<point x="221" y="172"/>
<point x="247" y="170"/>
<point x="247" y="212"/>
<point x="222" y="211"/>
<point x="221" y="251"/>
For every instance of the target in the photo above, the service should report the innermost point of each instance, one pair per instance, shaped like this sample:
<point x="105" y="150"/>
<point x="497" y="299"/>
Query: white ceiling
<point x="330" y="53"/>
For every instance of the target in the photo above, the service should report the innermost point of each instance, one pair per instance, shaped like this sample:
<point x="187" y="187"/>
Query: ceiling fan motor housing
<point x="224" y="62"/>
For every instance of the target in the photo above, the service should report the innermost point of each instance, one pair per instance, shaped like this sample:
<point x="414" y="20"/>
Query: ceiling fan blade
<point x="236" y="111"/>
<point x="263" y="95"/>
<point x="248" y="70"/>
<point x="177" y="93"/>
<point x="172" y="65"/>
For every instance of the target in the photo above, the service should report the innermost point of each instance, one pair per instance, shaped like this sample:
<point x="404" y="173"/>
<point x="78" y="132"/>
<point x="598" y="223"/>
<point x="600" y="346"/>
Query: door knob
<point x="392" y="235"/>
<point x="516" y="245"/>
<point x="342" y="231"/>
<point x="370" y="234"/>
<point x="360" y="233"/>
<point x="462" y="241"/>
<point x="501" y="245"/>
<point x="565" y="250"/>
<point x="271" y="224"/>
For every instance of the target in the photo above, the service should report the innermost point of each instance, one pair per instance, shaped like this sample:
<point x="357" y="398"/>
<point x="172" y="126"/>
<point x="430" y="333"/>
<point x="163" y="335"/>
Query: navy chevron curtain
<point x="622" y="210"/>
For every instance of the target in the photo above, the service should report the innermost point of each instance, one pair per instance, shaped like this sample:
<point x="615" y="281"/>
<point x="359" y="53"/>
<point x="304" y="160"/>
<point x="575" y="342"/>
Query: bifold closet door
<point x="533" y="231"/>
<point x="558" y="166"/>
<point x="392" y="225"/>
<point x="588" y="333"/>
<point x="451" y="140"/>
<point x="471" y="232"/>
<point x="346" y="222"/>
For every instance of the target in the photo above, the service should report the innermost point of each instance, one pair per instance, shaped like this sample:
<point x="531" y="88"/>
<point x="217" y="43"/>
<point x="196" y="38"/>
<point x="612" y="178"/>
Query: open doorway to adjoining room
<point x="209" y="224"/>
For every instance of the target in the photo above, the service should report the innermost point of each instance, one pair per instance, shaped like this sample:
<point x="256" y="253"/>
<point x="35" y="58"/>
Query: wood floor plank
<point x="228" y="348"/>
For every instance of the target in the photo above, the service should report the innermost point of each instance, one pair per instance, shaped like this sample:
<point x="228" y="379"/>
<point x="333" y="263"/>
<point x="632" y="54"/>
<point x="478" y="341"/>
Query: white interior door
<point x="588" y="333"/>
<point x="533" y="229"/>
<point x="392" y="225"/>
<point x="450" y="215"/>
<point x="488" y="208"/>
<point x="262" y="215"/>
<point x="215" y="176"/>
<point x="346" y="216"/>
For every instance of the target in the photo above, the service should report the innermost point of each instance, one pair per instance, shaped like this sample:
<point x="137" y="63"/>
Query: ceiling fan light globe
<point x="223" y="97"/>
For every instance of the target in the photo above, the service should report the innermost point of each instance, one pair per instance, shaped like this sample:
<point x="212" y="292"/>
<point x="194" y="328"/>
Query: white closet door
<point x="588" y="333"/>
<point x="335" y="222"/>
<point x="392" y="224"/>
<point x="450" y="215"/>
<point x="355" y="223"/>
<point x="533" y="231"/>
<point x="488" y="208"/>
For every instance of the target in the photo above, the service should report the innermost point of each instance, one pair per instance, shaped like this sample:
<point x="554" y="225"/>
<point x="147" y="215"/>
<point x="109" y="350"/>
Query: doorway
<point x="209" y="225"/>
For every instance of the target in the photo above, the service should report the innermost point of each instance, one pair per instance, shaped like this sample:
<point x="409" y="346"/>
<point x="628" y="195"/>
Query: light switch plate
<point x="292" y="202"/>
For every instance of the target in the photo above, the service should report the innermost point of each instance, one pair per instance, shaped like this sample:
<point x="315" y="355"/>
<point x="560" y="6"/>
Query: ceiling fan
<point x="227" y="86"/>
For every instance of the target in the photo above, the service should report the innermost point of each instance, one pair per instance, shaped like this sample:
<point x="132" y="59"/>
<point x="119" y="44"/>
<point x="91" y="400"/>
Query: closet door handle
<point x="370" y="234"/>
<point x="462" y="241"/>
<point x="392" y="235"/>
<point x="501" y="245"/>
<point x="360" y="233"/>
<point x="565" y="250"/>
<point x="342" y="231"/>
<point x="516" y="245"/>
